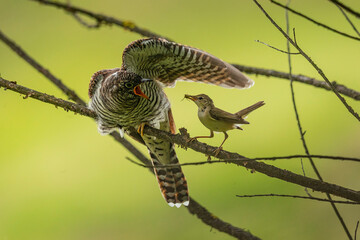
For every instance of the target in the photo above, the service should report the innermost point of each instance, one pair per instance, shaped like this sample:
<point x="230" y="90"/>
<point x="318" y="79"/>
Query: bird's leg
<point x="217" y="151"/>
<point x="141" y="129"/>
<point x="194" y="138"/>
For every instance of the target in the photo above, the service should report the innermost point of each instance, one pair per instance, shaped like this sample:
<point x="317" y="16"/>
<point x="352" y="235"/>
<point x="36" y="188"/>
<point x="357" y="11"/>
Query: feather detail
<point x="168" y="61"/>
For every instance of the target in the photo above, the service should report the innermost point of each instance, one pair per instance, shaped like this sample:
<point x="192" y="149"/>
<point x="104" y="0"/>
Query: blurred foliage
<point x="59" y="179"/>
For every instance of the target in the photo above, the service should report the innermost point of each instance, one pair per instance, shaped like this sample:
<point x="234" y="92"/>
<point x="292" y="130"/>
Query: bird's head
<point x="119" y="84"/>
<point x="201" y="100"/>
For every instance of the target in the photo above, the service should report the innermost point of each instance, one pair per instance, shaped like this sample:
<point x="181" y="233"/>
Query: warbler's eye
<point x="128" y="85"/>
<point x="200" y="98"/>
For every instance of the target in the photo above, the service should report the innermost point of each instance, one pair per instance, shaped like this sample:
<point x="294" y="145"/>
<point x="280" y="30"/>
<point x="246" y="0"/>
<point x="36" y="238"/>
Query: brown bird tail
<point x="244" y="112"/>
<point x="172" y="182"/>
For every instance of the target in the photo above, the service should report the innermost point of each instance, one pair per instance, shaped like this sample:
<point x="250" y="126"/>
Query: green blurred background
<point x="59" y="179"/>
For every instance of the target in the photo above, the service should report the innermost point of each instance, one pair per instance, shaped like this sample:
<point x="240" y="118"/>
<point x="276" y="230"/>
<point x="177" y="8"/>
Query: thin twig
<point x="316" y="22"/>
<point x="302" y="133"/>
<point x="356" y="229"/>
<point x="295" y="196"/>
<point x="347" y="8"/>
<point x="70" y="93"/>
<point x="299" y="78"/>
<point x="183" y="140"/>
<point x="249" y="70"/>
<point x="101" y="18"/>
<point x="349" y="108"/>
<point x="304" y="174"/>
<point x="348" y="19"/>
<point x="277" y="49"/>
<point x="83" y="22"/>
<point x="245" y="160"/>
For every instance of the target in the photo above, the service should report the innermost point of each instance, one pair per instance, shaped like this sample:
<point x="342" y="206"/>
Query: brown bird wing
<point x="222" y="115"/>
<point x="168" y="61"/>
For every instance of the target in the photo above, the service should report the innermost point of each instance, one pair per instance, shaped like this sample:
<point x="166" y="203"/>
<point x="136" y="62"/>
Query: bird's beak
<point x="140" y="93"/>
<point x="193" y="98"/>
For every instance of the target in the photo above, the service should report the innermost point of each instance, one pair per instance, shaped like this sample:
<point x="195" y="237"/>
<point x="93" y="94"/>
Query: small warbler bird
<point x="218" y="120"/>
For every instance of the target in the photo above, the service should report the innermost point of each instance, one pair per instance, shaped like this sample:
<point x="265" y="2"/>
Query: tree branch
<point x="302" y="134"/>
<point x="299" y="78"/>
<point x="295" y="196"/>
<point x="314" y="21"/>
<point x="101" y="18"/>
<point x="321" y="73"/>
<point x="183" y="140"/>
<point x="348" y="9"/>
<point x="70" y="93"/>
<point x="249" y="70"/>
<point x="348" y="19"/>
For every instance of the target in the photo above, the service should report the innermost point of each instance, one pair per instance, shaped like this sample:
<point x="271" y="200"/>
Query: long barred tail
<point x="172" y="182"/>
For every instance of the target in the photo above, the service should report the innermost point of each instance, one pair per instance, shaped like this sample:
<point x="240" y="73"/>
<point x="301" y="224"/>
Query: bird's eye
<point x="128" y="85"/>
<point x="200" y="98"/>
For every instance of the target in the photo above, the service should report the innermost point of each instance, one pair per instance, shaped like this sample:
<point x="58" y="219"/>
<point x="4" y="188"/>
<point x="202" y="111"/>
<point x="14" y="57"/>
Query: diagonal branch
<point x="183" y="140"/>
<point x="348" y="19"/>
<point x="70" y="93"/>
<point x="249" y="70"/>
<point x="302" y="135"/>
<point x="347" y="8"/>
<point x="295" y="196"/>
<point x="100" y="18"/>
<point x="299" y="78"/>
<point x="321" y="73"/>
<point x="314" y="21"/>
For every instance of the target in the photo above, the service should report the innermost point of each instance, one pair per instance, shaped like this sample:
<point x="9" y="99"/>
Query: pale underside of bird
<point x="132" y="96"/>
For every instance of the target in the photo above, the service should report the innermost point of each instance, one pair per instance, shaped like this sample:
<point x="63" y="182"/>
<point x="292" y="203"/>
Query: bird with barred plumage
<point x="132" y="96"/>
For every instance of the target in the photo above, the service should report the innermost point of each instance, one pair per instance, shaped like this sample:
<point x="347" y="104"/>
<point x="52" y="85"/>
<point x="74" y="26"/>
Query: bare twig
<point x="252" y="159"/>
<point x="295" y="196"/>
<point x="347" y="8"/>
<point x="83" y="22"/>
<point x="302" y="134"/>
<point x="348" y="19"/>
<point x="70" y="93"/>
<point x="277" y="49"/>
<point x="314" y="21"/>
<point x="250" y="70"/>
<point x="349" y="108"/>
<point x="101" y="18"/>
<point x="299" y="78"/>
<point x="66" y="105"/>
<point x="356" y="229"/>
<point x="182" y="140"/>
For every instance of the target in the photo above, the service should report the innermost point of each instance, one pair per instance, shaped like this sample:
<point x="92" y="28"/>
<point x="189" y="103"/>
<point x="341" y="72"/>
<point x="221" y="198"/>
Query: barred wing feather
<point x="168" y="61"/>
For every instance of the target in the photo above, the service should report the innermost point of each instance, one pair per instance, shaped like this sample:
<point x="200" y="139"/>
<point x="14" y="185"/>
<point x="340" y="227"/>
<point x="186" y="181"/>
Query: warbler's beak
<point x="193" y="98"/>
<point x="140" y="93"/>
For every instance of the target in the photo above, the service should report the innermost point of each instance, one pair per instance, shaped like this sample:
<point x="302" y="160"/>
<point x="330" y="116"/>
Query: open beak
<point x="138" y="91"/>
<point x="193" y="98"/>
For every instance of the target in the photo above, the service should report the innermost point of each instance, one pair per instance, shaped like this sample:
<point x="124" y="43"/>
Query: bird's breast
<point x="213" y="124"/>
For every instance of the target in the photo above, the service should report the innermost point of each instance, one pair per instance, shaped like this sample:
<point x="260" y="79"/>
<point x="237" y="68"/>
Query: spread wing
<point x="221" y="115"/>
<point x="168" y="61"/>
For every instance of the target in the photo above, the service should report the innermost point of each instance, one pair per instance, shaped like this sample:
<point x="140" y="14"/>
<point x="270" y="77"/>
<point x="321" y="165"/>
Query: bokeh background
<point x="59" y="179"/>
